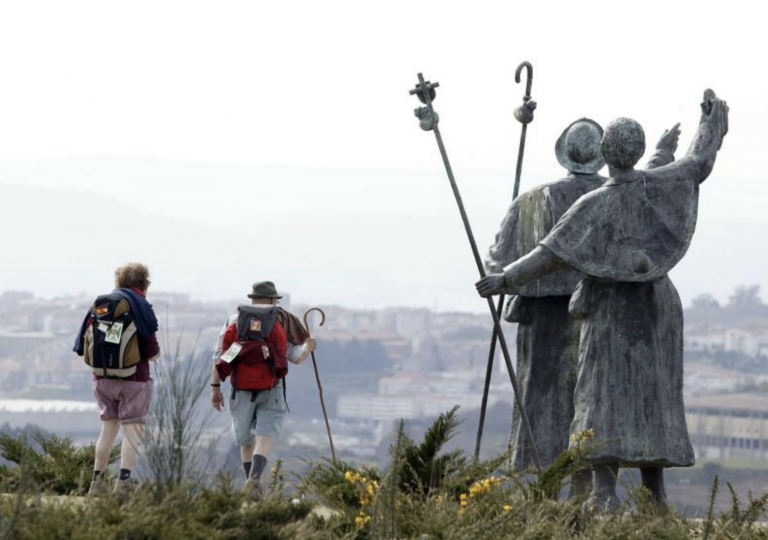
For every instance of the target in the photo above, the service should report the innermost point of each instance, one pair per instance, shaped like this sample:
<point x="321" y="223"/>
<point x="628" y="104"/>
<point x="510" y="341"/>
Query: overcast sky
<point x="226" y="142"/>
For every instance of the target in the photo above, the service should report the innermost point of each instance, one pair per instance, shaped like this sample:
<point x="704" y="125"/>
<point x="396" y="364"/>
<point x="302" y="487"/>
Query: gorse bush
<point x="428" y="494"/>
<point x="218" y="513"/>
<point x="49" y="462"/>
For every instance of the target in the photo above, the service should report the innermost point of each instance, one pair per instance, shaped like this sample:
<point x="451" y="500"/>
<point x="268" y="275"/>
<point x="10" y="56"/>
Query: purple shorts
<point x="127" y="401"/>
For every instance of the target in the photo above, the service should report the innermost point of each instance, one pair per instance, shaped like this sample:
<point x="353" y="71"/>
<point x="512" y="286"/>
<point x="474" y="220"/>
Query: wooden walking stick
<point x="317" y="378"/>
<point x="524" y="115"/>
<point x="425" y="91"/>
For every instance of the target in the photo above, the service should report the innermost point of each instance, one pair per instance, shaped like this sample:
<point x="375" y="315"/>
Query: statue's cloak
<point x="528" y="221"/>
<point x="632" y="229"/>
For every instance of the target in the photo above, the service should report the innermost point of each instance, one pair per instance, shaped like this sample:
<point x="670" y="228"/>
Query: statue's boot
<point x="603" y="497"/>
<point x="653" y="481"/>
<point x="581" y="483"/>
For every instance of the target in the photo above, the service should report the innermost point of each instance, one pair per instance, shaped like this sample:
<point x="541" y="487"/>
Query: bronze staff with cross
<point x="429" y="120"/>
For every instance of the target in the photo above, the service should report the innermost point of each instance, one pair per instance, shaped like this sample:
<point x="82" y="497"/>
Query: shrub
<point x="217" y="513"/>
<point x="49" y="462"/>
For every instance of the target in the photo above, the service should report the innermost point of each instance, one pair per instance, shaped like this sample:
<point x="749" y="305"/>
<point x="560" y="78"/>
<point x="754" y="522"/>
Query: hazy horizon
<point x="230" y="142"/>
<point x="393" y="239"/>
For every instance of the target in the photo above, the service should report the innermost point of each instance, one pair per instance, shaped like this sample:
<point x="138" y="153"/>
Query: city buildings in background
<point x="378" y="366"/>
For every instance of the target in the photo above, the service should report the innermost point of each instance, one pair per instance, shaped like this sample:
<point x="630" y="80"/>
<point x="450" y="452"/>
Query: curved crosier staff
<point x="428" y="121"/>
<point x="317" y="378"/>
<point x="524" y="115"/>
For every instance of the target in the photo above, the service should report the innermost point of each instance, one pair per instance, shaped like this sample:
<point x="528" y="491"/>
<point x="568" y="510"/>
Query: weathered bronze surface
<point x="624" y="237"/>
<point x="548" y="338"/>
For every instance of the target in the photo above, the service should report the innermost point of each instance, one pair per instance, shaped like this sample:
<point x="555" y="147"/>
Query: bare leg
<point x="109" y="431"/>
<point x="246" y="457"/>
<point x="581" y="483"/>
<point x="653" y="481"/>
<point x="129" y="450"/>
<point x="260" y="450"/>
<point x="604" y="496"/>
<point x="246" y="452"/>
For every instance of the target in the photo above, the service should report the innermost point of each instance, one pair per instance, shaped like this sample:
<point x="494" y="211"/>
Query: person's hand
<point x="311" y="344"/>
<point x="670" y="139"/>
<point x="490" y="285"/>
<point x="217" y="398"/>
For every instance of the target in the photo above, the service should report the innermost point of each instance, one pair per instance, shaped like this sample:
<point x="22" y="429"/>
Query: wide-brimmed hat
<point x="578" y="148"/>
<point x="264" y="289"/>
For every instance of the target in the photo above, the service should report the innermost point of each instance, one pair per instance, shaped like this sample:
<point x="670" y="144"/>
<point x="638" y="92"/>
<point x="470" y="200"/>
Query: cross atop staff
<point x="425" y="91"/>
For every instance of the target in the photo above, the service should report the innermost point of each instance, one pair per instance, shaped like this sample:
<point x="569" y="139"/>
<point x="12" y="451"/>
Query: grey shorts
<point x="262" y="417"/>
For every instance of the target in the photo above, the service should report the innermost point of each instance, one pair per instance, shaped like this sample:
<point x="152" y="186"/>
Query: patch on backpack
<point x="102" y="310"/>
<point x="114" y="333"/>
<point x="232" y="352"/>
<point x="255" y="325"/>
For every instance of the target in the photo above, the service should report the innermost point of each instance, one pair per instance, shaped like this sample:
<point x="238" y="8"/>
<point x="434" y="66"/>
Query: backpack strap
<point x="233" y="379"/>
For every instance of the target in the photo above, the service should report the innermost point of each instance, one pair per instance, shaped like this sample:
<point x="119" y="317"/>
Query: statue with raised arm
<point x="624" y="237"/>
<point x="547" y="336"/>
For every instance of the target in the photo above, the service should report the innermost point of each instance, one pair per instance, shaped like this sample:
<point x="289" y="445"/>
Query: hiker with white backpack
<point x="253" y="350"/>
<point x="118" y="340"/>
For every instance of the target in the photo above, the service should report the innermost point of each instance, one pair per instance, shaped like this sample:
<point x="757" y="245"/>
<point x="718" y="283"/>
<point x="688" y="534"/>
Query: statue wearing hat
<point x="623" y="238"/>
<point x="547" y="336"/>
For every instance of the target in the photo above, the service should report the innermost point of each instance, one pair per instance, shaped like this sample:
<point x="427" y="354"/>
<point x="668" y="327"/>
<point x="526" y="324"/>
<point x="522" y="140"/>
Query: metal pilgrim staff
<point x="524" y="115"/>
<point x="317" y="378"/>
<point x="428" y="120"/>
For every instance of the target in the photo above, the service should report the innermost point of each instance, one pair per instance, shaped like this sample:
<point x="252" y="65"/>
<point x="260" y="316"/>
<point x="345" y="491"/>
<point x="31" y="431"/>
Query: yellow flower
<point x="506" y="507"/>
<point x="362" y="519"/>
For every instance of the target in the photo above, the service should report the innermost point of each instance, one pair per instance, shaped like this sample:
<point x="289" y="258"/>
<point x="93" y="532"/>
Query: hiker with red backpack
<point x="253" y="351"/>
<point x="118" y="340"/>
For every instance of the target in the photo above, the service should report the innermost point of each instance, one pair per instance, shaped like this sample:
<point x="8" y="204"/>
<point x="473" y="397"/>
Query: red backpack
<point x="254" y="349"/>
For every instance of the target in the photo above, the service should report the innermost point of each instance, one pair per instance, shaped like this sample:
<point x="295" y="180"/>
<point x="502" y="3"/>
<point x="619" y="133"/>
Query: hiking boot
<point x="125" y="488"/>
<point x="253" y="489"/>
<point x="99" y="487"/>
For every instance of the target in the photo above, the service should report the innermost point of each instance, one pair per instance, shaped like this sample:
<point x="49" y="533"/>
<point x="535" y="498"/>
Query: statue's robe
<point x="625" y="237"/>
<point x="547" y="336"/>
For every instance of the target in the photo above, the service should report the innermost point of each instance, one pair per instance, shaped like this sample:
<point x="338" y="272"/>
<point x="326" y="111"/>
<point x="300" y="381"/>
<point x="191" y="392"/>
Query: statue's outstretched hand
<point x="669" y="139"/>
<point x="715" y="111"/>
<point x="490" y="285"/>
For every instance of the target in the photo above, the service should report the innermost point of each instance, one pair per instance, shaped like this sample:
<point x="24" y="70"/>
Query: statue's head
<point x="578" y="148"/>
<point x="623" y="143"/>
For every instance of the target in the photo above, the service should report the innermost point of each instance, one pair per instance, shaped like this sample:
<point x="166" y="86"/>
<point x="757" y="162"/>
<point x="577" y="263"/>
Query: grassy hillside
<point x="427" y="492"/>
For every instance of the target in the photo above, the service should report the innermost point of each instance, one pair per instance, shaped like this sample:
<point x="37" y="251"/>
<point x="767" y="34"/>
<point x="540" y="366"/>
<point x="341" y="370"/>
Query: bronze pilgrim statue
<point x="621" y="240"/>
